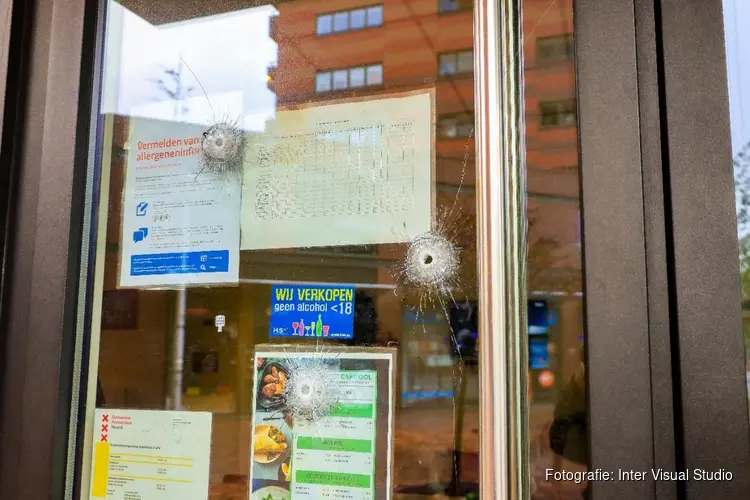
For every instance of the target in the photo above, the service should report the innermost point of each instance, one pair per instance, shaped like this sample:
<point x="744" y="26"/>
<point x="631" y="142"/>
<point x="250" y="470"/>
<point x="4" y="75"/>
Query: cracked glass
<point x="276" y="180"/>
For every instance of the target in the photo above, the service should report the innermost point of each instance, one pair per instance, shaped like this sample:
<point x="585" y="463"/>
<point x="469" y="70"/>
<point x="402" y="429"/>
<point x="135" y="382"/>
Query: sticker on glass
<point x="323" y="311"/>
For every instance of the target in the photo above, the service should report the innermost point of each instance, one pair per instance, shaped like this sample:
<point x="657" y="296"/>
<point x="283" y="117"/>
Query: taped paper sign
<point x="150" y="455"/>
<point x="354" y="173"/>
<point x="323" y="423"/>
<point x="178" y="227"/>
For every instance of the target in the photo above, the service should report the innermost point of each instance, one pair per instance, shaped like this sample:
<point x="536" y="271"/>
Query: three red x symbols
<point x="105" y="426"/>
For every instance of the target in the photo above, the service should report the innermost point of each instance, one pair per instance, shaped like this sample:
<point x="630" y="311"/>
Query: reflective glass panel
<point x="340" y="79"/>
<point x="447" y="127"/>
<point x="325" y="24"/>
<point x="375" y="16"/>
<point x="357" y="19"/>
<point x="447" y="63"/>
<point x="357" y="77"/>
<point x="285" y="285"/>
<point x="448" y="5"/>
<point x="341" y="21"/>
<point x="557" y="384"/>
<point x="323" y="81"/>
<point x="375" y="74"/>
<point x="465" y="61"/>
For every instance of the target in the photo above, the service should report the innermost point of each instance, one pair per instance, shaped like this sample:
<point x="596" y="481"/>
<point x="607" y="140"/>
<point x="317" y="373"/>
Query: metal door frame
<point x="629" y="331"/>
<point x="55" y="46"/>
<point x="711" y="406"/>
<point x="613" y="97"/>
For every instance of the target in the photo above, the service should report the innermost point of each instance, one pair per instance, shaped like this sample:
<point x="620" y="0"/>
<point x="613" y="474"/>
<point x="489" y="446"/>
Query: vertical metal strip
<point x="616" y="302"/>
<point x="515" y="229"/>
<point x="712" y="407"/>
<point x="92" y="194"/>
<point x="177" y="354"/>
<point x="501" y="209"/>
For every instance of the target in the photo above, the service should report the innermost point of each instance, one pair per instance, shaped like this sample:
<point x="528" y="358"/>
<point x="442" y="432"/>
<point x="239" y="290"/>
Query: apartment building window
<point x="325" y="24"/>
<point x="375" y="74"/>
<point x="350" y="20"/>
<point x="340" y="79"/>
<point x="375" y="16"/>
<point x="557" y="114"/>
<point x="455" y="126"/>
<point x="446" y="6"/>
<point x="323" y="82"/>
<point x="357" y="77"/>
<point x="456" y="63"/>
<point x="349" y="78"/>
<point x="357" y="19"/>
<point x="554" y="48"/>
<point x="340" y="22"/>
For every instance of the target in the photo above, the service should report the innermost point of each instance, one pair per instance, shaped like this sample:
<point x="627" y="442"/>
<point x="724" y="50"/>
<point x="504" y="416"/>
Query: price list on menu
<point x="334" y="458"/>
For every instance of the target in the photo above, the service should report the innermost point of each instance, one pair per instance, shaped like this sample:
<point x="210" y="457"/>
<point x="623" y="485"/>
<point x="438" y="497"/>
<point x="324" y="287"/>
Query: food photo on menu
<point x="321" y="424"/>
<point x="271" y="436"/>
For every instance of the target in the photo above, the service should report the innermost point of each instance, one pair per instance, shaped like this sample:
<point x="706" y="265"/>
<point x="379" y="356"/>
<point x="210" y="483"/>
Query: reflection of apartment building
<point x="344" y="49"/>
<point x="356" y="48"/>
<point x="552" y="181"/>
<point x="327" y="52"/>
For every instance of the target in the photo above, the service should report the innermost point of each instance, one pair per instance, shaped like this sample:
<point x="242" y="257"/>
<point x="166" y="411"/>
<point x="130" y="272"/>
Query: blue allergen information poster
<point x="312" y="311"/>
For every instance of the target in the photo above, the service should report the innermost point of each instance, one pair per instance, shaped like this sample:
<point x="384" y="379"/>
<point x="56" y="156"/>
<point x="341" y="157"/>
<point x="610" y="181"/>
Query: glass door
<point x="287" y="256"/>
<point x="336" y="251"/>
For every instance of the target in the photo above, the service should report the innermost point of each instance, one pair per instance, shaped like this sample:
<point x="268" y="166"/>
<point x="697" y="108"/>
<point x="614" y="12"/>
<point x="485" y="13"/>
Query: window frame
<point x="336" y="15"/>
<point x="367" y="15"/>
<point x="367" y="74"/>
<point x="364" y="19"/>
<point x="459" y="10"/>
<point x="711" y="402"/>
<point x="569" y="53"/>
<point x="364" y="77"/>
<point x="348" y="12"/>
<point x="348" y="86"/>
<point x="449" y="116"/>
<point x="48" y="321"/>
<point x="317" y="24"/>
<point x="329" y="74"/>
<point x="455" y="54"/>
<point x="559" y="103"/>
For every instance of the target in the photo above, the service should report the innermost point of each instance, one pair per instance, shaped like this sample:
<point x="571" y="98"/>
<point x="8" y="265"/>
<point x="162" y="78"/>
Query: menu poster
<point x="151" y="455"/>
<point x="345" y="454"/>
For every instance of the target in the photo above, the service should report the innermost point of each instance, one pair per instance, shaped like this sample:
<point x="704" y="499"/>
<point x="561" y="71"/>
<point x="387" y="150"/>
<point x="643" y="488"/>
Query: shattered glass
<point x="223" y="150"/>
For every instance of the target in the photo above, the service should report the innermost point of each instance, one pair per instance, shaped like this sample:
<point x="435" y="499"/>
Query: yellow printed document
<point x="150" y="455"/>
